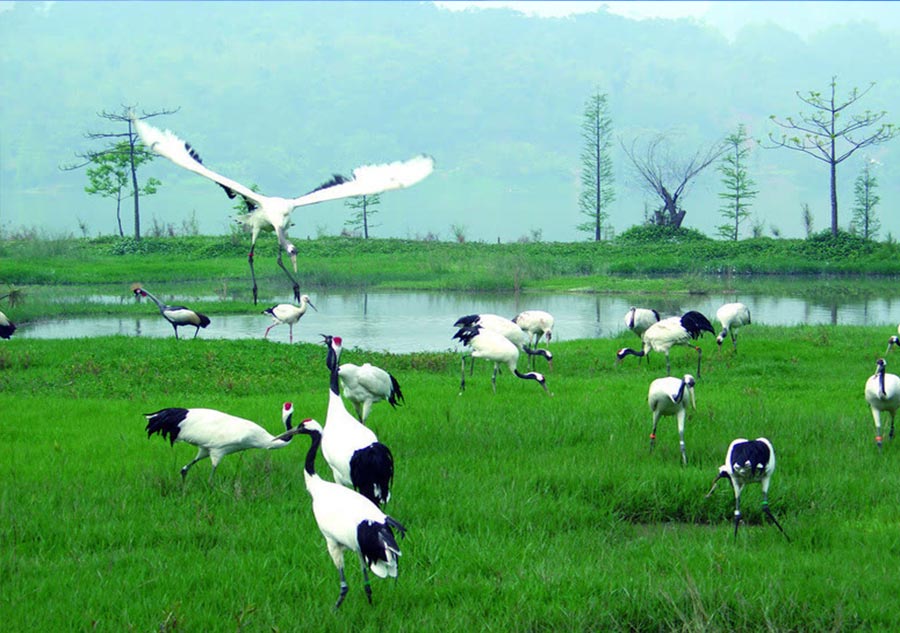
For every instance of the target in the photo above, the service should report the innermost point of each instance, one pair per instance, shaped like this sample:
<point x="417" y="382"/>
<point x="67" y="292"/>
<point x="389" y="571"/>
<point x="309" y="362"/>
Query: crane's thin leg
<point x="291" y="277"/>
<point x="201" y="454"/>
<point x="734" y="341"/>
<point x="462" y="377"/>
<point x="891" y="434"/>
<point x="266" y="335"/>
<point x="344" y="589"/>
<point x="175" y="327"/>
<point x="291" y="332"/>
<point x="876" y="414"/>
<point x="196" y="331"/>
<point x="765" y="507"/>
<point x="699" y="356"/>
<point x="668" y="365"/>
<point x="366" y="586"/>
<point x="494" y="377"/>
<point x="252" y="272"/>
<point x="681" y="437"/>
<point x="653" y="432"/>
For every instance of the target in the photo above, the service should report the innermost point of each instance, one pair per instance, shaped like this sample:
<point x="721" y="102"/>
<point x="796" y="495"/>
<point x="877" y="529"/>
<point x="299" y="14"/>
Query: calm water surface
<point x="404" y="322"/>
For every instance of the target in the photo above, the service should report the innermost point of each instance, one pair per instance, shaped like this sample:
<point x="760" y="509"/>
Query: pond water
<point x="403" y="322"/>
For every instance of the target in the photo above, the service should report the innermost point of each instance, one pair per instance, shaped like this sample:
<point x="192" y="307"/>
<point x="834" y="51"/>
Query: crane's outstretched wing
<point x="167" y="144"/>
<point x="370" y="179"/>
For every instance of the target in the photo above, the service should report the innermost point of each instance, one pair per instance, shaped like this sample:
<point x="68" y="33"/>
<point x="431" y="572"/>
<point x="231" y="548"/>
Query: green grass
<point x="525" y="512"/>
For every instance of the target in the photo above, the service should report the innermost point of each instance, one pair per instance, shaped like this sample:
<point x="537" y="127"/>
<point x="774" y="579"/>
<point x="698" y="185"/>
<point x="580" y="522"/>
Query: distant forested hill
<point x="283" y="94"/>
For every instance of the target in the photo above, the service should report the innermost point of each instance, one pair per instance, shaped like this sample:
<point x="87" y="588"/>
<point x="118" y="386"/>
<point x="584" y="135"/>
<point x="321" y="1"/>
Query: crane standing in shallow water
<point x="268" y="213"/>
<point x="176" y="315"/>
<point x="288" y="313"/>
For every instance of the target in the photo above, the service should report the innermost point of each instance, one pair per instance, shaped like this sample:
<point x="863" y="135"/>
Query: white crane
<point x="176" y="315"/>
<point x="536" y="323"/>
<point x="732" y="316"/>
<point x="349" y="521"/>
<point x="883" y="394"/>
<point x="894" y="340"/>
<point x="267" y="213"/>
<point x="508" y="328"/>
<point x="748" y="462"/>
<point x="7" y="327"/>
<point x="352" y="450"/>
<point x="288" y="313"/>
<point x="667" y="333"/>
<point x="364" y="385"/>
<point x="495" y="348"/>
<point x="214" y="433"/>
<point x="639" y="319"/>
<point x="666" y="396"/>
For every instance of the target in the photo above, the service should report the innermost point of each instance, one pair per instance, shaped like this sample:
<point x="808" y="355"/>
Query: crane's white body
<point x="508" y="328"/>
<point x="670" y="396"/>
<point x="7" y="327"/>
<point x="732" y="316"/>
<point x="288" y="313"/>
<point x="536" y="323"/>
<point x="214" y="433"/>
<point x="883" y="395"/>
<point x="364" y="385"/>
<point x="639" y="319"/>
<point x="349" y="521"/>
<point x="272" y="213"/>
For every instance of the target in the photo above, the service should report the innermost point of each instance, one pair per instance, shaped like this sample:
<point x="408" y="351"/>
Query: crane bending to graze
<point x="883" y="394"/>
<point x="666" y="396"/>
<point x="288" y="313"/>
<point x="364" y="385"/>
<point x="662" y="336"/>
<point x="268" y="213"/>
<point x="748" y="462"/>
<point x="176" y="315"/>
<point x="349" y="521"/>
<point x="495" y="348"/>
<point x="508" y="328"/>
<point x="639" y="319"/>
<point x="732" y="316"/>
<point x="7" y="327"/>
<point x="214" y="433"/>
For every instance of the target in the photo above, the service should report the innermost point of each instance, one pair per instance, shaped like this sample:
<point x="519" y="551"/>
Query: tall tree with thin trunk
<point x="739" y="191"/>
<point x="831" y="134"/>
<point x="865" y="222"/>
<point x="109" y="176"/>
<point x="597" y="191"/>
<point x="668" y="178"/>
<point x="364" y="208"/>
<point x="136" y="152"/>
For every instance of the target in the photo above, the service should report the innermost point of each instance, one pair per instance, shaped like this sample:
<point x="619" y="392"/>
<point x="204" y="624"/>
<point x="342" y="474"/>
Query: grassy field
<point x="525" y="512"/>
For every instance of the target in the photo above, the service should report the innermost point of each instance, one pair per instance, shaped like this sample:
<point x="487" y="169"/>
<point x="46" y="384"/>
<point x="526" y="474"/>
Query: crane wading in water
<point x="268" y="213"/>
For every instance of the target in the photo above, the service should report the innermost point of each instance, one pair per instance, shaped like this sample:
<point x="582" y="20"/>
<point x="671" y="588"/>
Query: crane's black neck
<point x="310" y="465"/>
<point x="332" y="362"/>
<point x="680" y="394"/>
<point x="881" y="380"/>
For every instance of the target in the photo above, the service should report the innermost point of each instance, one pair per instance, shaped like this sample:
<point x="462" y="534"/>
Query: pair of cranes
<point x="348" y="510"/>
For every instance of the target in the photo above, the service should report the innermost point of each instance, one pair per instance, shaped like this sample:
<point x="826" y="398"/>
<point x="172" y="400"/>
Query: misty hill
<point x="284" y="94"/>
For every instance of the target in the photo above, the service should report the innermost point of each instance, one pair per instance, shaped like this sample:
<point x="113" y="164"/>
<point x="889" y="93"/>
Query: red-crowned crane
<point x="364" y="385"/>
<point x="349" y="521"/>
<point x="670" y="396"/>
<point x="352" y="450"/>
<point x="732" y="316"/>
<point x="536" y="324"/>
<point x="214" y="433"/>
<point x="267" y="213"/>
<point x="883" y="394"/>
<point x="176" y="315"/>
<point x="7" y="327"/>
<point x="748" y="462"/>
<point x="494" y="348"/>
<point x="639" y="319"/>
<point x="288" y="313"/>
<point x="662" y="336"/>
<point x="508" y="328"/>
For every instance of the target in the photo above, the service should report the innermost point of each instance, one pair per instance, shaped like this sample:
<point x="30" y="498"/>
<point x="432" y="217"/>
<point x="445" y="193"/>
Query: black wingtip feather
<point x="696" y="324"/>
<point x="166" y="422"/>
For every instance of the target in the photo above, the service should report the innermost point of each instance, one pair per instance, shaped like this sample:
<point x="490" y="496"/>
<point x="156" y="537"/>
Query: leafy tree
<point x="865" y="222"/>
<point x="826" y="136"/>
<point x="109" y="174"/>
<point x="364" y="208"/>
<point x="668" y="178"/>
<point x="738" y="184"/>
<point x="136" y="155"/>
<point x="596" y="165"/>
<point x="807" y="219"/>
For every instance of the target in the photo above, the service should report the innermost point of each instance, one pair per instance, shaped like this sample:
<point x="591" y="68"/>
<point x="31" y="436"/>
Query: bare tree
<point x="668" y="178"/>
<point x="137" y="153"/>
<point x="828" y="137"/>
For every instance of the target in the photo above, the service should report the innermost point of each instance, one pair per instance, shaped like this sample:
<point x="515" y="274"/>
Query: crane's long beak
<point x="310" y="304"/>
<point x="715" y="483"/>
<point x="294" y="261"/>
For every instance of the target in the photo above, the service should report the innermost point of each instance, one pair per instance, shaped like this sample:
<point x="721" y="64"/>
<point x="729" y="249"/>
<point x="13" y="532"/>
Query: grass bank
<point x="525" y="512"/>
